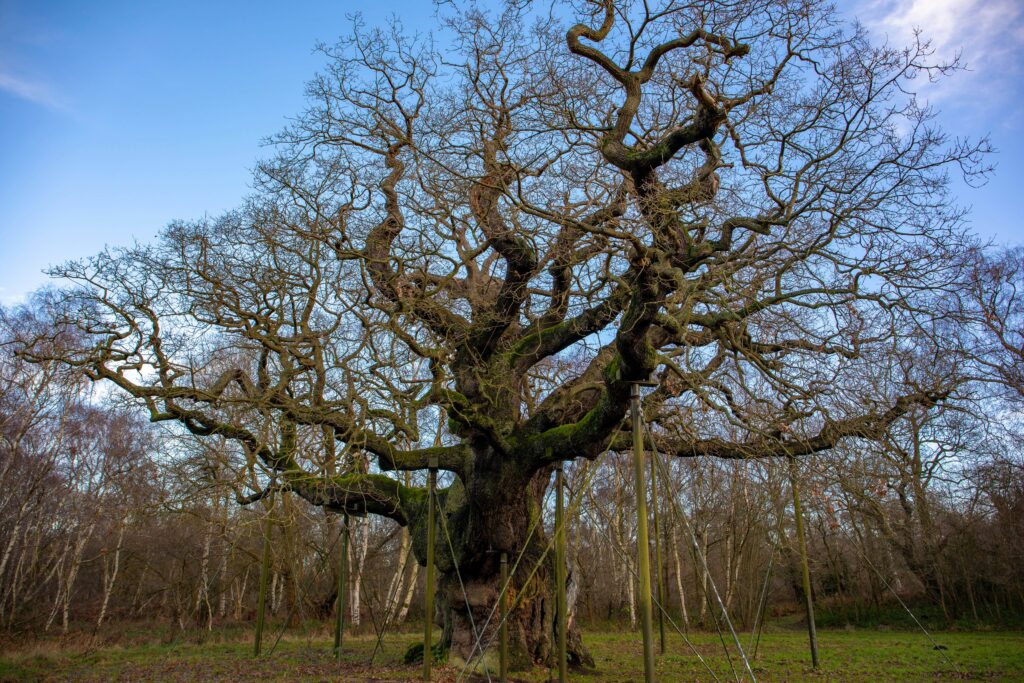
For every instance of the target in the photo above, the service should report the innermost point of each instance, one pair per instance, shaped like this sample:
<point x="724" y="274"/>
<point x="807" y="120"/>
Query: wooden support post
<point x="642" y="538"/>
<point x="804" y="567"/>
<point x="560" y="597"/>
<point x="261" y="602"/>
<point x="658" y="565"/>
<point x="428" y="616"/>
<point x="339" y="618"/>
<point x="503" y="624"/>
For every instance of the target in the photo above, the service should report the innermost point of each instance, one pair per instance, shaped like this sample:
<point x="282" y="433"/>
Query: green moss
<point x="413" y="497"/>
<point x="414" y="654"/>
<point x="531" y="342"/>
<point x="613" y="371"/>
<point x="555" y="435"/>
<point x="455" y="428"/>
<point x="564" y="438"/>
<point x="487" y="664"/>
<point x="453" y="497"/>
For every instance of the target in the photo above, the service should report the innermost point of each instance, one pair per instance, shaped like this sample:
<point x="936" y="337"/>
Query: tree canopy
<point x="470" y="245"/>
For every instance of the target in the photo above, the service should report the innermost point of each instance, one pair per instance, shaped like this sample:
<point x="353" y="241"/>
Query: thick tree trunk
<point x="505" y="518"/>
<point x="471" y="620"/>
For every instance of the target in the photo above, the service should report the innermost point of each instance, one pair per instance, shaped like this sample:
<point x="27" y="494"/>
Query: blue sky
<point x="117" y="117"/>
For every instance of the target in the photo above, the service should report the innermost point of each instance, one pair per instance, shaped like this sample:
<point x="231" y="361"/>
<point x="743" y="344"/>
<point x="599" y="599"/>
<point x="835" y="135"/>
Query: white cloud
<point x="987" y="34"/>
<point x="32" y="91"/>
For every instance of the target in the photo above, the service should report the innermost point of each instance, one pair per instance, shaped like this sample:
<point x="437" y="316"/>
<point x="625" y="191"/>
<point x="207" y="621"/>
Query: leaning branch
<point x="870" y="426"/>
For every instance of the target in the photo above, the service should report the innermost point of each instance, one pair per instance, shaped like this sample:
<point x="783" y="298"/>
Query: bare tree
<point x="994" y="309"/>
<point x="745" y="202"/>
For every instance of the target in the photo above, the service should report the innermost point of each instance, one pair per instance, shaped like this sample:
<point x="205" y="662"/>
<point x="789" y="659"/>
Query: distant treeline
<point x="105" y="517"/>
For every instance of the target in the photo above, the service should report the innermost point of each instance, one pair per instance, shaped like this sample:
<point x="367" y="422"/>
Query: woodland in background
<point x="105" y="518"/>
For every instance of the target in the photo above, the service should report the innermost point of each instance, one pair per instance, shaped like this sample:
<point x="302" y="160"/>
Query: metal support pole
<point x="560" y="601"/>
<point x="642" y="537"/>
<point x="428" y="617"/>
<point x="339" y="618"/>
<point x="261" y="603"/>
<point x="805" y="569"/>
<point x="658" y="565"/>
<point x="503" y="624"/>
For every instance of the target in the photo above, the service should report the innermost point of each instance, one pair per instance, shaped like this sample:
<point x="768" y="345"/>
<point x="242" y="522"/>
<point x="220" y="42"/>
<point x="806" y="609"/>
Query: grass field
<point x="862" y="655"/>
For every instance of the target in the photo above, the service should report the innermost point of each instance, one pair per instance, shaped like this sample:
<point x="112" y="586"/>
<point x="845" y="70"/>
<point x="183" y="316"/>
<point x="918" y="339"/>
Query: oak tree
<point x="469" y="246"/>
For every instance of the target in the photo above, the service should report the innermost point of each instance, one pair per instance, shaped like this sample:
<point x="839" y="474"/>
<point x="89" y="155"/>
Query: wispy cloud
<point x="988" y="36"/>
<point x="35" y="91"/>
<point x="9" y="297"/>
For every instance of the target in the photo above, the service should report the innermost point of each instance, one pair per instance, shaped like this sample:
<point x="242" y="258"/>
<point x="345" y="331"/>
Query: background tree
<point x="994" y="309"/>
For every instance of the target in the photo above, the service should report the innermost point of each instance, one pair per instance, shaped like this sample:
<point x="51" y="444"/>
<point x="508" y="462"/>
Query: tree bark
<point x="110" y="574"/>
<point x="469" y="583"/>
<point x="357" y="561"/>
<point x="798" y="517"/>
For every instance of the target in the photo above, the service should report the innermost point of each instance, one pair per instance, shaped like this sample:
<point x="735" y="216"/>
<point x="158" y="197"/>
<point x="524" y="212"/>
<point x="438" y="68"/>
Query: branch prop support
<point x="560" y="596"/>
<point x="339" y="626"/>
<point x="642" y="538"/>
<point x="428" y="616"/>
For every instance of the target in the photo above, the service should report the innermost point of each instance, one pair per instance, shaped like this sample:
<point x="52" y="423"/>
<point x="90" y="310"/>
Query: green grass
<point x="847" y="655"/>
<point x="890" y="615"/>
